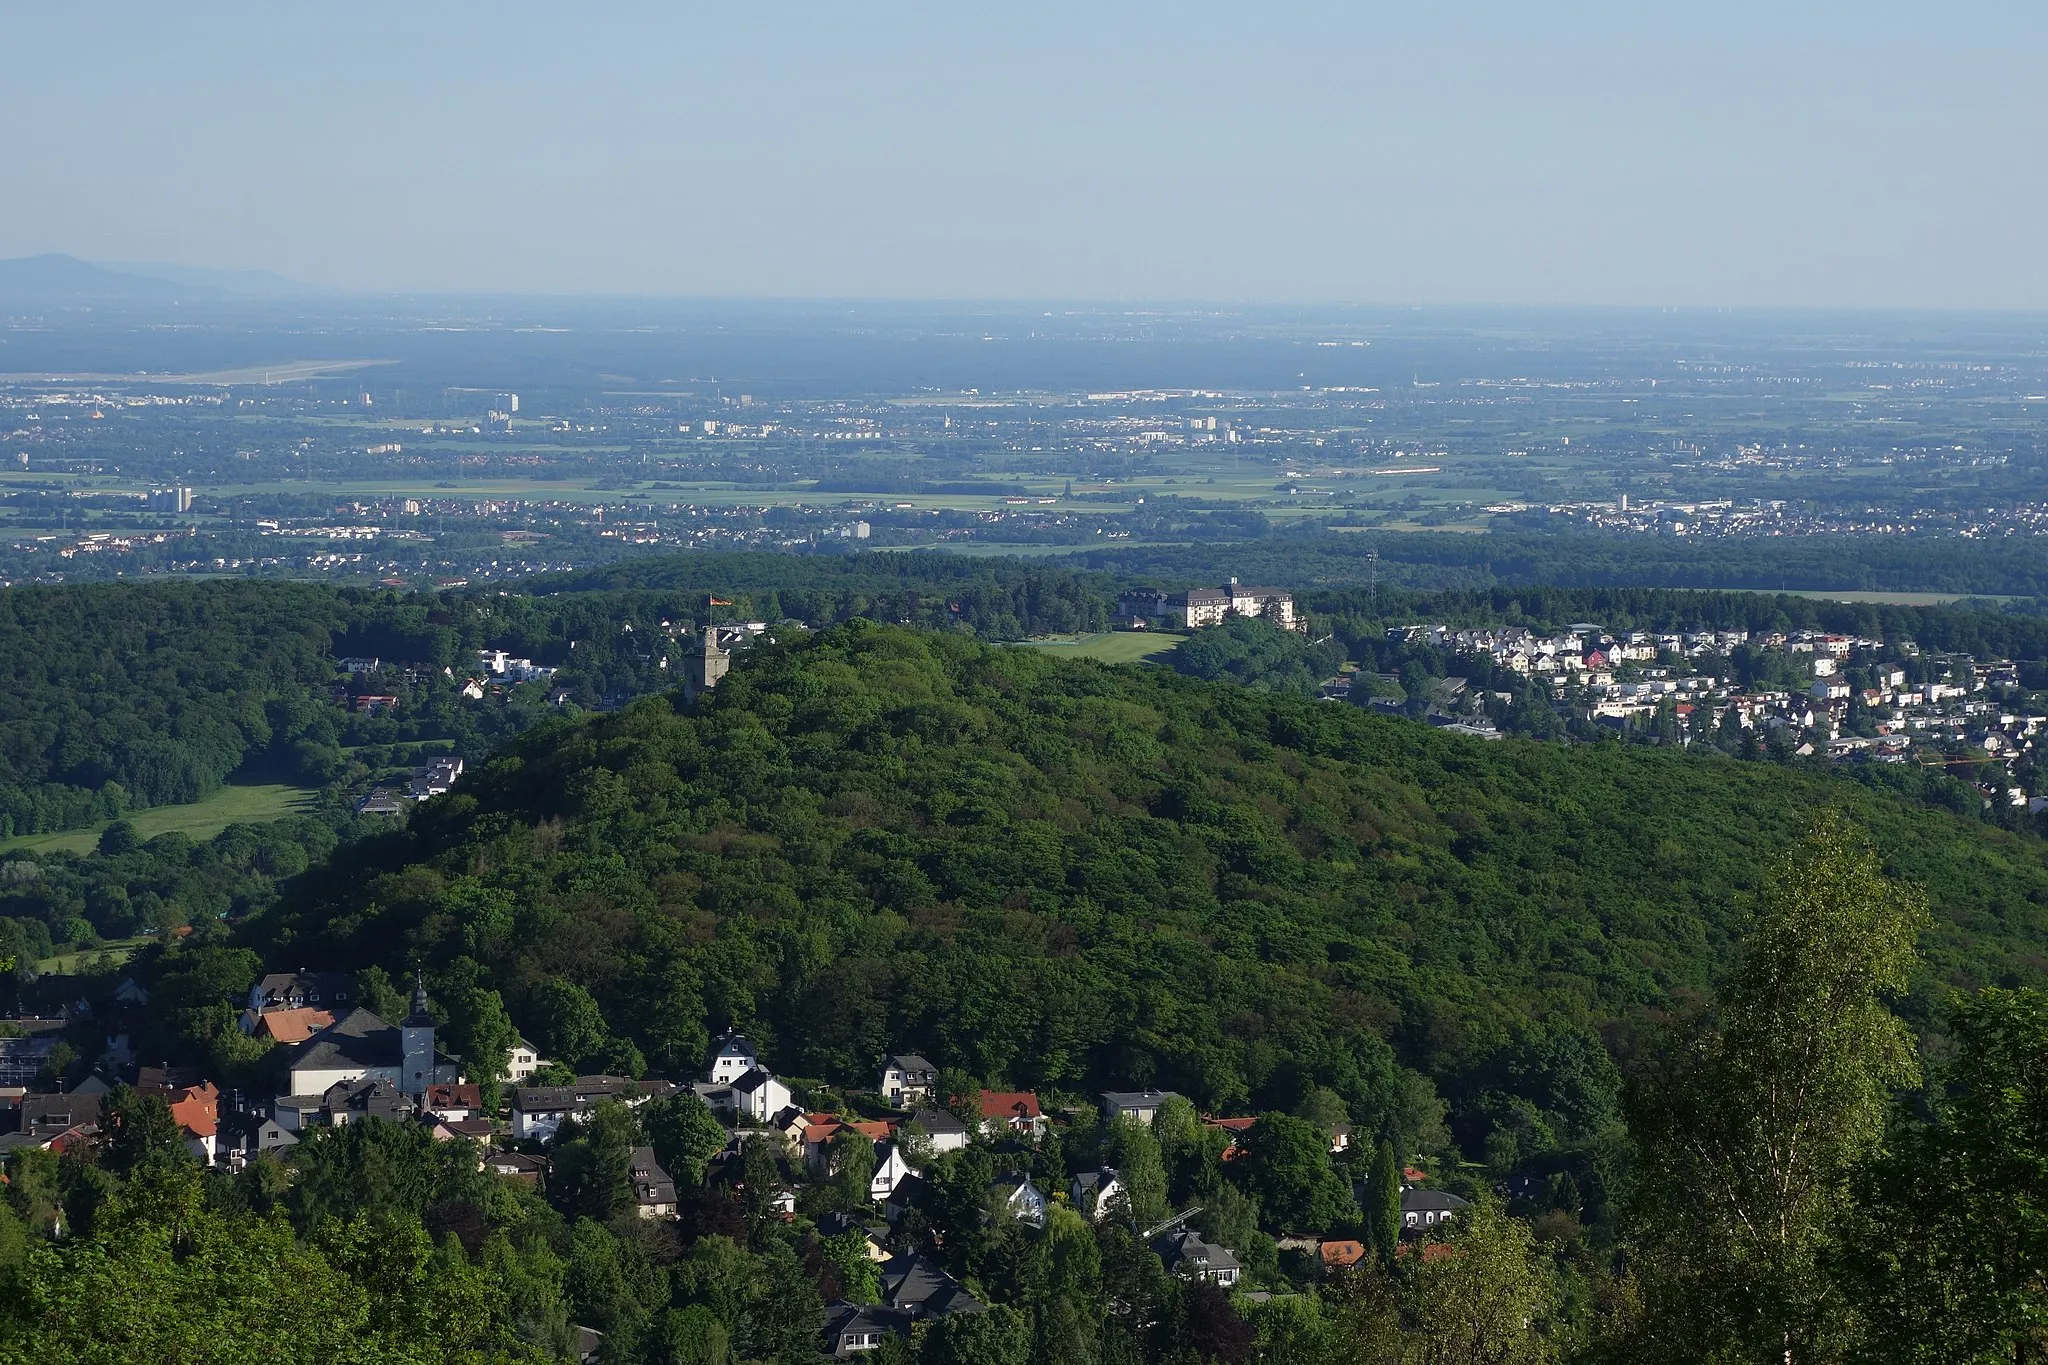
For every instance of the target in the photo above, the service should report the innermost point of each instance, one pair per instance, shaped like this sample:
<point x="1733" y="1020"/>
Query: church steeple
<point x="416" y="1043"/>
<point x="419" y="1016"/>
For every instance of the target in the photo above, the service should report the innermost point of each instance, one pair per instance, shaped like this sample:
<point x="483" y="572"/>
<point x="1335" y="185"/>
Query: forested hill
<point x="1438" y="560"/>
<point x="1056" y="874"/>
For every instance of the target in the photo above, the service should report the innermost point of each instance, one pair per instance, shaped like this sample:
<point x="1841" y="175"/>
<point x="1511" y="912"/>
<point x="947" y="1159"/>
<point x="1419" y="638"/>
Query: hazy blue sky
<point x="1868" y="154"/>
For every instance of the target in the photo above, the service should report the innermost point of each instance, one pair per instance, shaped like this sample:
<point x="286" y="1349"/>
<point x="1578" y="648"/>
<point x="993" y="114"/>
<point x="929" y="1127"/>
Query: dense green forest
<point x="1057" y="874"/>
<point x="119" y="697"/>
<point x="1425" y="560"/>
<point x="1006" y="599"/>
<point x="1259" y="655"/>
<point x="1540" y="969"/>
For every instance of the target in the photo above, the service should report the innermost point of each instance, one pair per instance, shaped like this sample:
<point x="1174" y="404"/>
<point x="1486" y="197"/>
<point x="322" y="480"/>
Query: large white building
<point x="1199" y="607"/>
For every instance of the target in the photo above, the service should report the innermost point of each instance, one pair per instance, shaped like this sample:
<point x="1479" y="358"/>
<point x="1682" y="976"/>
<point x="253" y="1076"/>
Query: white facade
<point x="520" y="1063"/>
<point x="891" y="1170"/>
<point x="733" y="1058"/>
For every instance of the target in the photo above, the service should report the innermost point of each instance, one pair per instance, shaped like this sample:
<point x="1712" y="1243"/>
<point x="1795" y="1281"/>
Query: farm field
<point x="234" y="804"/>
<point x="1111" y="647"/>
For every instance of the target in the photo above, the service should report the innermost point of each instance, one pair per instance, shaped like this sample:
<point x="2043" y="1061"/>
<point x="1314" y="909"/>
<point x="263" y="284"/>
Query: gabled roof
<point x="1137" y="1099"/>
<point x="937" y="1121"/>
<point x="1186" y="1247"/>
<point x="907" y="1061"/>
<point x="357" y="1039"/>
<point x="197" y="1110"/>
<point x="289" y="1025"/>
<point x="756" y="1078"/>
<point x="1342" y="1253"/>
<point x="1426" y="1201"/>
<point x="327" y="988"/>
<point x="1010" y="1104"/>
<point x="651" y="1184"/>
<point x="539" y="1099"/>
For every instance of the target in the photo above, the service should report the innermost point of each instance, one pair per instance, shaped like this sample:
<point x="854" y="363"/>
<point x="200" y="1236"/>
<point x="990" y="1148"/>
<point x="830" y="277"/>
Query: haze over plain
<point x="1819" y="155"/>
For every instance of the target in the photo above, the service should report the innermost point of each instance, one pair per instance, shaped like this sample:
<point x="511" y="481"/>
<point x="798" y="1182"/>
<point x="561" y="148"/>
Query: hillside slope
<point x="1053" y="873"/>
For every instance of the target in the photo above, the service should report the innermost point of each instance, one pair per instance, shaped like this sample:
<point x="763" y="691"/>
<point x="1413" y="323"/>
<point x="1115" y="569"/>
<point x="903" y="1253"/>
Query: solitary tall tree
<point x="1749" y="1130"/>
<point x="1383" y="1202"/>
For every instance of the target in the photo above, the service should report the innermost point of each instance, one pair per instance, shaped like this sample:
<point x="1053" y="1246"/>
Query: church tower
<point x="416" y="1044"/>
<point x="703" y="671"/>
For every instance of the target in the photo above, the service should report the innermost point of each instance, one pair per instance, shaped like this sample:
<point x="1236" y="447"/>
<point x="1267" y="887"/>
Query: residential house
<point x="331" y="991"/>
<point x="1422" y="1210"/>
<point x="654" y="1191"/>
<point x="522" y="1061"/>
<point x="758" y="1096"/>
<point x="908" y="1080"/>
<point x="22" y="1058"/>
<point x="938" y="1129"/>
<point x="1338" y="1255"/>
<point x="913" y="1288"/>
<point x="286" y="1024"/>
<point x="1142" y="1105"/>
<point x="1187" y="1255"/>
<point x="731" y="1059"/>
<point x="1235" y="1129"/>
<point x="516" y="1166"/>
<point x="851" y="1328"/>
<point x="1096" y="1193"/>
<point x="1015" y="1196"/>
<point x="55" y="1121"/>
<point x="834" y="1224"/>
<point x="196" y="1110"/>
<point x="538" y="1110"/>
<point x="453" y="1103"/>
<point x="892" y="1168"/>
<point x="918" y="1286"/>
<point x="1016" y="1110"/>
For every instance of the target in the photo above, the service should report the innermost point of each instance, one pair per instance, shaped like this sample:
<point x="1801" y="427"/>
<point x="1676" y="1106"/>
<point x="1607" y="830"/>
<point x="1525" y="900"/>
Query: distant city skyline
<point x="1824" y="155"/>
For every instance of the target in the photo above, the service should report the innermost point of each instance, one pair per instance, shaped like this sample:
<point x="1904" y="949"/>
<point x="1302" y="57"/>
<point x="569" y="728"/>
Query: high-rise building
<point x="170" y="499"/>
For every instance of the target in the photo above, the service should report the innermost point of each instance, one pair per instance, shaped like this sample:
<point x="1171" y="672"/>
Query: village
<point x="1814" y="694"/>
<point x="898" y="1141"/>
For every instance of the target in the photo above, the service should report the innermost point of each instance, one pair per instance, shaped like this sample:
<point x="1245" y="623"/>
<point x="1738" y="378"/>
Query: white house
<point x="521" y="1062"/>
<point x="892" y="1168"/>
<point x="759" y="1096"/>
<point x="1094" y="1193"/>
<point x="1425" y="1209"/>
<point x="731" y="1059"/>
<point x="1016" y="1197"/>
<point x="907" y="1080"/>
<point x="1186" y="1254"/>
<point x="940" y="1129"/>
<point x="1141" y="1105"/>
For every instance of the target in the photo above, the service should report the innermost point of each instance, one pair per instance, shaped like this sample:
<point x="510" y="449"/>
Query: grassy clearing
<point x="1112" y="647"/>
<point x="235" y="804"/>
<point x="65" y="964"/>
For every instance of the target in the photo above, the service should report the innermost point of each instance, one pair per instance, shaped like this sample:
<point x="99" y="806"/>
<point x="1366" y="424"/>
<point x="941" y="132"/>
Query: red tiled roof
<point x="454" y="1097"/>
<point x="293" y="1025"/>
<point x="1230" y="1125"/>
<point x="1010" y="1104"/>
<point x="197" y="1109"/>
<point x="1343" y="1253"/>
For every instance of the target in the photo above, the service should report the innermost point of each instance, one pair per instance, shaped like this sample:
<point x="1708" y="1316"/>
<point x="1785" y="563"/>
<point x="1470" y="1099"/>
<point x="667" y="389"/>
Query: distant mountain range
<point x="56" y="278"/>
